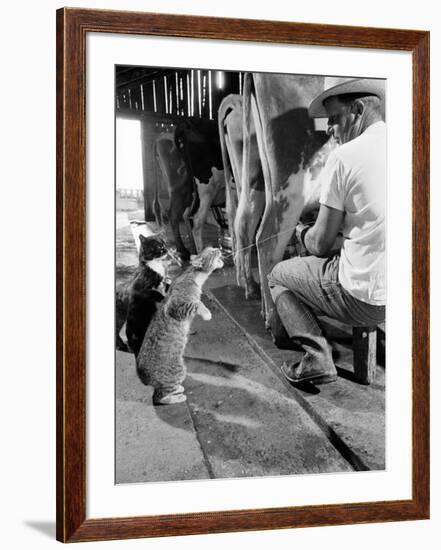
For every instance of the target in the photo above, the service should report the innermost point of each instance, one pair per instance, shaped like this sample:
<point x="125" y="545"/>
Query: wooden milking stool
<point x="364" y="349"/>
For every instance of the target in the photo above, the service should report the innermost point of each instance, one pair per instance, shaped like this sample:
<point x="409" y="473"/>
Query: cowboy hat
<point x="368" y="86"/>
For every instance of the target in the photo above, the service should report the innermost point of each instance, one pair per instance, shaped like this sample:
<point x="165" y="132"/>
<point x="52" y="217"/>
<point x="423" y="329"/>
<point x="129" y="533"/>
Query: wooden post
<point x="364" y="347"/>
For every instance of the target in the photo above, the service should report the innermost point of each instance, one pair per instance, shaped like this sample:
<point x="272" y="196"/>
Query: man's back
<point x="354" y="181"/>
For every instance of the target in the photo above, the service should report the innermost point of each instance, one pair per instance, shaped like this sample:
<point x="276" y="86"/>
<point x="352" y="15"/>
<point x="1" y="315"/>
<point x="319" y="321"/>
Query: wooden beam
<point x="132" y="114"/>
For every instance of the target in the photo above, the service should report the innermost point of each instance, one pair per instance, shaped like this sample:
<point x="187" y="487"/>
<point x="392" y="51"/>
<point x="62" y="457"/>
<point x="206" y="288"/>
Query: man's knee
<point x="283" y="277"/>
<point x="275" y="285"/>
<point x="272" y="276"/>
<point x="285" y="270"/>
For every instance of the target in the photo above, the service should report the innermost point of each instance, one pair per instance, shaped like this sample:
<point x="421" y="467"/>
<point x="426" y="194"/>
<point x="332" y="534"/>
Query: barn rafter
<point x="173" y="91"/>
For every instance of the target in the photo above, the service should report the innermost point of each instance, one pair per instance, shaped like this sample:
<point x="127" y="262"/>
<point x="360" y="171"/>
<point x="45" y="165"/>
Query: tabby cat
<point x="138" y="298"/>
<point x="160" y="360"/>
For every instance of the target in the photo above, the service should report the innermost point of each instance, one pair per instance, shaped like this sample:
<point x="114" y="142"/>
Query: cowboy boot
<point x="278" y="333"/>
<point x="305" y="334"/>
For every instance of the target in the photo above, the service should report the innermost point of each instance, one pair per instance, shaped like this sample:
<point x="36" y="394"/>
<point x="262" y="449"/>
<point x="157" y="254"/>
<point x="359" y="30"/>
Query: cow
<point x="198" y="141"/>
<point x="191" y="163"/>
<point x="180" y="188"/>
<point x="291" y="154"/>
<point x="244" y="204"/>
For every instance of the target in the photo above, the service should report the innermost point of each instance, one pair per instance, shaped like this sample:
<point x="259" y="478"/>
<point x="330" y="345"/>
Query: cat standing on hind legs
<point x="160" y="362"/>
<point x="137" y="299"/>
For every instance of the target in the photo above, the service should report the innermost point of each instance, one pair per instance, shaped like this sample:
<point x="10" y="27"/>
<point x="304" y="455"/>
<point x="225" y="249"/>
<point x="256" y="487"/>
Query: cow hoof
<point x="253" y="293"/>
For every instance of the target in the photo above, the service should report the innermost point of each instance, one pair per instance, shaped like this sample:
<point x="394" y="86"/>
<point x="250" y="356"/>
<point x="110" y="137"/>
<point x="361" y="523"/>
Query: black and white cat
<point x="138" y="298"/>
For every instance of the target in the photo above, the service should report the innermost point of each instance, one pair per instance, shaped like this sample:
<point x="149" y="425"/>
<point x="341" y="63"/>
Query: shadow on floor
<point x="47" y="528"/>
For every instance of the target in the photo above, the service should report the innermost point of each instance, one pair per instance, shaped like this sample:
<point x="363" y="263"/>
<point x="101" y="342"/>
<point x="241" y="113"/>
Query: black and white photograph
<point x="217" y="310"/>
<point x="250" y="274"/>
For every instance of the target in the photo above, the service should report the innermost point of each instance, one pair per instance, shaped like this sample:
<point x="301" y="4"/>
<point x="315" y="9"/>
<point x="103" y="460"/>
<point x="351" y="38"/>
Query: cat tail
<point x="143" y="374"/>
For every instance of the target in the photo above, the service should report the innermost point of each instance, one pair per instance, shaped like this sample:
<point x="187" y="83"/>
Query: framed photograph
<point x="242" y="275"/>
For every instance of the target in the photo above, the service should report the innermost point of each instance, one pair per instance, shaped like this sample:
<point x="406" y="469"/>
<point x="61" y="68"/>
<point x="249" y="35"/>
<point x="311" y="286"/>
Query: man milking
<point x="348" y="286"/>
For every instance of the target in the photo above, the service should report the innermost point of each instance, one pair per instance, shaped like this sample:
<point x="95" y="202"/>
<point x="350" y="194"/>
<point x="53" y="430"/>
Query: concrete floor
<point x="242" y="418"/>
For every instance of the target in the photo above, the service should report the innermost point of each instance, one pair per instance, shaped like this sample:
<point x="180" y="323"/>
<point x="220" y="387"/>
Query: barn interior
<point x="241" y="418"/>
<point x="156" y="100"/>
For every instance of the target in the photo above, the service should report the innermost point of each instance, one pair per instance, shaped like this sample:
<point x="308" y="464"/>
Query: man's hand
<point x="319" y="240"/>
<point x="300" y="229"/>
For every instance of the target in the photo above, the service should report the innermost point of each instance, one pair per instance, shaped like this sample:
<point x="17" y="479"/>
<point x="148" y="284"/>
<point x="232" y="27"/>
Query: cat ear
<point x="180" y="310"/>
<point x="142" y="238"/>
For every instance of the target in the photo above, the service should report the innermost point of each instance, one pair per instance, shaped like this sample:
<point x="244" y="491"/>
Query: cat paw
<point x="252" y="292"/>
<point x="170" y="399"/>
<point x="206" y="315"/>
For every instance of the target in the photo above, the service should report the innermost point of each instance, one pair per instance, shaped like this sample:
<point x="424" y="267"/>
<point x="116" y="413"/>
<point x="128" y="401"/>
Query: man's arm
<point x="320" y="238"/>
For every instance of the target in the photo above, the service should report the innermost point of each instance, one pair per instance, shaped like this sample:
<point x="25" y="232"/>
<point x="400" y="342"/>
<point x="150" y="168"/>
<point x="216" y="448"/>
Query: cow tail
<point x="224" y="109"/>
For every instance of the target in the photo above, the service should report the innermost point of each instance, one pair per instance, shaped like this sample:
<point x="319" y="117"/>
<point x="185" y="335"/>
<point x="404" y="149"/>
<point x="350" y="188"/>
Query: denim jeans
<point x="314" y="285"/>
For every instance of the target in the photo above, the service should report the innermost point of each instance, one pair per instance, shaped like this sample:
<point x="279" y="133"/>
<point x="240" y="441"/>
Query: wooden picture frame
<point x="72" y="28"/>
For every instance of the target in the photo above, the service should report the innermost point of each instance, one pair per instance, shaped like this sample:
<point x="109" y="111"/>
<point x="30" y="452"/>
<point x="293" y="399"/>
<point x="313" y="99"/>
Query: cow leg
<point x="206" y="194"/>
<point x="189" y="228"/>
<point x="251" y="205"/>
<point x="157" y="209"/>
<point x="228" y="111"/>
<point x="283" y="205"/>
<point x="232" y="190"/>
<point x="231" y="208"/>
<point x="278" y="224"/>
<point x="175" y="216"/>
<point x="267" y="231"/>
<point x="247" y="215"/>
<point x="156" y="203"/>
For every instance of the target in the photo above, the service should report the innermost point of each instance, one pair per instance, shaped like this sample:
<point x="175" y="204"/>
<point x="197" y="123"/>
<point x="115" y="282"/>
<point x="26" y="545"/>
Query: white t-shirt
<point x="354" y="181"/>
